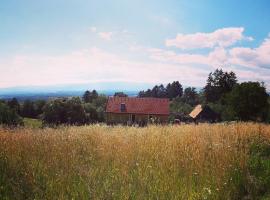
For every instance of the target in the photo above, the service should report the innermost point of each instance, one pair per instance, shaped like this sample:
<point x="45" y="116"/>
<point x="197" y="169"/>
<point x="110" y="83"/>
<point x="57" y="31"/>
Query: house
<point x="133" y="110"/>
<point x="204" y="114"/>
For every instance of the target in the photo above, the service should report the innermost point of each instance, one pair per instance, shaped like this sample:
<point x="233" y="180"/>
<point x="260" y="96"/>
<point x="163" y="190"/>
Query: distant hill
<point x="68" y="90"/>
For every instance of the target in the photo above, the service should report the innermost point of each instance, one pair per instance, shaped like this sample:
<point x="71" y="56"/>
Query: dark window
<point x="123" y="107"/>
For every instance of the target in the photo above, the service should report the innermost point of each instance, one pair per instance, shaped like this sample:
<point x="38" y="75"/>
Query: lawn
<point x="156" y="162"/>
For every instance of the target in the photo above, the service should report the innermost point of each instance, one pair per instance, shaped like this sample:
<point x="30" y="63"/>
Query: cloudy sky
<point x="134" y="41"/>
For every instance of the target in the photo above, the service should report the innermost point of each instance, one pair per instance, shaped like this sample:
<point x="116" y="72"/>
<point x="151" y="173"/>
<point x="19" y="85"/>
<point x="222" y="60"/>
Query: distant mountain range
<point x="53" y="91"/>
<point x="68" y="90"/>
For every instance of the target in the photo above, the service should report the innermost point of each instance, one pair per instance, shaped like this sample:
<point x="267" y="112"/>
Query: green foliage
<point x="9" y="116"/>
<point x="75" y="112"/>
<point x="249" y="101"/>
<point x="219" y="84"/>
<point x="120" y="94"/>
<point x="28" y="109"/>
<point x="64" y="112"/>
<point x="178" y="106"/>
<point x="172" y="90"/>
<point x="88" y="96"/>
<point x="55" y="112"/>
<point x="226" y="112"/>
<point x="14" y="104"/>
<point x="91" y="112"/>
<point x="100" y="105"/>
<point x="190" y="96"/>
<point x="39" y="106"/>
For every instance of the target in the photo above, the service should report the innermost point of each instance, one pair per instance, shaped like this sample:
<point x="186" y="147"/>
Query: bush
<point x="9" y="116"/>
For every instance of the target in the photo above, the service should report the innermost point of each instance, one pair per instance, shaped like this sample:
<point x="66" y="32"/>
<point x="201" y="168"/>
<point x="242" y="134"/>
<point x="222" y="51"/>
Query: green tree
<point x="178" y="106"/>
<point x="9" y="116"/>
<point x="120" y="94"/>
<point x="88" y="96"/>
<point x="190" y="96"/>
<point x="174" y="90"/>
<point x="75" y="111"/>
<point x="39" y="106"/>
<point x="55" y="112"/>
<point x="28" y="109"/>
<point x="100" y="106"/>
<point x="91" y="113"/>
<point x="219" y="84"/>
<point x="14" y="104"/>
<point x="249" y="101"/>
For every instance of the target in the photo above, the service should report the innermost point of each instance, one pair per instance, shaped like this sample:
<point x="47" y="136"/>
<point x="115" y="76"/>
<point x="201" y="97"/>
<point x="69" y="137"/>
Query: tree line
<point x="246" y="101"/>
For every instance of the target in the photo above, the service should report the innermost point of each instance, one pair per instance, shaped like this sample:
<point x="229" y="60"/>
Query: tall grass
<point x="101" y="162"/>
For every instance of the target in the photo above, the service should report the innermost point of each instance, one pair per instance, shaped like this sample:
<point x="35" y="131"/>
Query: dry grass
<point x="101" y="162"/>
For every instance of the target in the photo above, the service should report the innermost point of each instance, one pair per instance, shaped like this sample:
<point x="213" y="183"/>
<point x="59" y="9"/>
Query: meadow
<point x="220" y="161"/>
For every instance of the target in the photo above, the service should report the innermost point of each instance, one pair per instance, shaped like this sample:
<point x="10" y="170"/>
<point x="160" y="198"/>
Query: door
<point x="133" y="118"/>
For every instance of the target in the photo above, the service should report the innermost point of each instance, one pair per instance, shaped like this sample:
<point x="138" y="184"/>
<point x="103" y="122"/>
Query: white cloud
<point x="105" y="35"/>
<point x="92" y="65"/>
<point x="257" y="57"/>
<point x="222" y="37"/>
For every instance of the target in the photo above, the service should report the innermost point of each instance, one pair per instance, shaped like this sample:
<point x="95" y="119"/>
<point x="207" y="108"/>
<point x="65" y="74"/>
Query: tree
<point x="75" y="111"/>
<point x="190" y="96"/>
<point x="178" y="106"/>
<point x="14" y="104"/>
<point x="249" y="101"/>
<point x="55" y="112"/>
<point x="219" y="84"/>
<point x="88" y="96"/>
<point x="174" y="90"/>
<point x="100" y="105"/>
<point x="9" y="116"/>
<point x="91" y="113"/>
<point x="39" y="106"/>
<point x="120" y="94"/>
<point x="28" y="109"/>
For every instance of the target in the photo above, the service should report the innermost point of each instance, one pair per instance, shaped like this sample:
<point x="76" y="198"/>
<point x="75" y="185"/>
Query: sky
<point x="109" y="42"/>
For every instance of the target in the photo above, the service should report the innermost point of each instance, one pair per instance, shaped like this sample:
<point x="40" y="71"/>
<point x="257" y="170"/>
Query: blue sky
<point x="64" y="42"/>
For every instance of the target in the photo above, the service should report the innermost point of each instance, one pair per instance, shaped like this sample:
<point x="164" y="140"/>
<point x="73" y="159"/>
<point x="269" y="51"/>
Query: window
<point x="123" y="107"/>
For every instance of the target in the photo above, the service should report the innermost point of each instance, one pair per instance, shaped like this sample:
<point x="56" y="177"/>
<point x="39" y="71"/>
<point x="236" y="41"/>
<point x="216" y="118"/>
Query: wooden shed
<point x="204" y="114"/>
<point x="134" y="110"/>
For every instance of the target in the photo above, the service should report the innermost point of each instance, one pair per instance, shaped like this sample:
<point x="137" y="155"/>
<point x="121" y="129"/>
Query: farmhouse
<point x="204" y="114"/>
<point x="133" y="110"/>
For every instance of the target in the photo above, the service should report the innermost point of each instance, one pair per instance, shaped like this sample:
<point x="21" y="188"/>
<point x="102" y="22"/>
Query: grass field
<point x="156" y="162"/>
<point x="32" y="123"/>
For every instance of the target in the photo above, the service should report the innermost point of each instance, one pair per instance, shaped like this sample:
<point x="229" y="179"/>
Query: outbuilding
<point x="204" y="114"/>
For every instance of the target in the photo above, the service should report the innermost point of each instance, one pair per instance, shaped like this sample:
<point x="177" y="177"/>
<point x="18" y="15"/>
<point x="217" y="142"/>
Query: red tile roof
<point x="134" y="105"/>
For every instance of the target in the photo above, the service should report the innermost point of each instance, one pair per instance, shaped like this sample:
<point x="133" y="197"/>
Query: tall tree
<point x="249" y="101"/>
<point x="88" y="96"/>
<point x="174" y="90"/>
<point x="219" y="84"/>
<point x="190" y="96"/>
